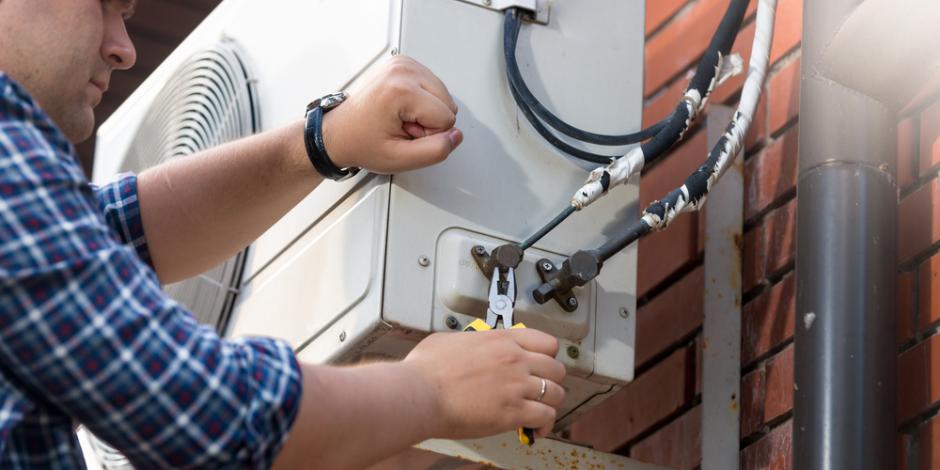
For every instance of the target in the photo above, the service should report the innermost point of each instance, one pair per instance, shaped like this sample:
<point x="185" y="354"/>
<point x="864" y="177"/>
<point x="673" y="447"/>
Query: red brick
<point x="771" y="174"/>
<point x="903" y="457"/>
<point x="905" y="307"/>
<point x="662" y="254"/>
<point x="664" y="103"/>
<point x="907" y="172"/>
<point x="753" y="389"/>
<point x="928" y="443"/>
<point x="670" y="172"/>
<point x="769" y="247"/>
<point x="681" y="43"/>
<point x="639" y="406"/>
<point x="768" y="320"/>
<point x="757" y="134"/>
<point x="659" y="11"/>
<point x="930" y="139"/>
<point x="929" y="291"/>
<point x="670" y="316"/>
<point x="779" y="396"/>
<point x="771" y="452"/>
<point x="783" y="96"/>
<point x="918" y="379"/>
<point x="788" y="28"/>
<point x="678" y="445"/>
<point x="919" y="221"/>
<point x="767" y="393"/>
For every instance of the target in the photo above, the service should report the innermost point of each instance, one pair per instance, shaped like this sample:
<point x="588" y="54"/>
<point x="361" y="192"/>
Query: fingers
<point x="424" y="151"/>
<point x="433" y="85"/>
<point x="428" y="111"/>
<point x="535" y="341"/>
<point x="554" y="393"/>
<point x="541" y="365"/>
<point x="538" y="416"/>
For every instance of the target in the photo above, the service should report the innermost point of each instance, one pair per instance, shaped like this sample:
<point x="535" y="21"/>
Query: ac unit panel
<point x="343" y="276"/>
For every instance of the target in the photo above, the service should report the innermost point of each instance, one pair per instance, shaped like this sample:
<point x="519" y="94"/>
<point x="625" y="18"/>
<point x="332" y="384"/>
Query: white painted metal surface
<point x="721" y="372"/>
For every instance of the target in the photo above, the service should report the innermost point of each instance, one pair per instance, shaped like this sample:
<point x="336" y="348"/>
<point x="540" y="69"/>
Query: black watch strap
<point x="316" y="149"/>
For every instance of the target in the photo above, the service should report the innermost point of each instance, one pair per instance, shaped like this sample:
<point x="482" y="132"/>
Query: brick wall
<point x="657" y="418"/>
<point x="919" y="286"/>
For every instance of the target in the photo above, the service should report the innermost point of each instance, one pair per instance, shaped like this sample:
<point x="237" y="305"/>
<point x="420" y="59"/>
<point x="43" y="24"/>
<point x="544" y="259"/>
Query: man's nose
<point x="117" y="49"/>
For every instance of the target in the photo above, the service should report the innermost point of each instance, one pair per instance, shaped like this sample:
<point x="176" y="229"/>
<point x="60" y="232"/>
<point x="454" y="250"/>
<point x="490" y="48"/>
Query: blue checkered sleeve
<point x="117" y="201"/>
<point x="86" y="330"/>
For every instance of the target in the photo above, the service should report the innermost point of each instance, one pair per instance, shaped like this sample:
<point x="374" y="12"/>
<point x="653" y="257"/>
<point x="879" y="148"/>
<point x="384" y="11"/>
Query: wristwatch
<point x="313" y="138"/>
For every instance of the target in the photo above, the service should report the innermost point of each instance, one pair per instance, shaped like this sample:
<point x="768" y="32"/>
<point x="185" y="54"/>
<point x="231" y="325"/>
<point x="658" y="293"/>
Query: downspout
<point x="846" y="261"/>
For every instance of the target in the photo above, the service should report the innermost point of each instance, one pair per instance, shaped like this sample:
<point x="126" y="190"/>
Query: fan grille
<point x="209" y="101"/>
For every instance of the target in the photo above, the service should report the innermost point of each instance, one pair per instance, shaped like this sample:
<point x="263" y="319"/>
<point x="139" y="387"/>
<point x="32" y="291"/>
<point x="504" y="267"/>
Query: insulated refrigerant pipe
<point x="846" y="263"/>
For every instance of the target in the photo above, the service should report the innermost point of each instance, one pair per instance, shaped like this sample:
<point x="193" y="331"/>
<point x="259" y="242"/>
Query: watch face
<point x="328" y="102"/>
<point x="331" y="101"/>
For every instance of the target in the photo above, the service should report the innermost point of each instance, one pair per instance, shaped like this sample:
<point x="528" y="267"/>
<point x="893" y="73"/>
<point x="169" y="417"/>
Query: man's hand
<point x="400" y="118"/>
<point x="485" y="383"/>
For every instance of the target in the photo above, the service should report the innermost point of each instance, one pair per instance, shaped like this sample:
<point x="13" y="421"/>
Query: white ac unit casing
<point x="366" y="268"/>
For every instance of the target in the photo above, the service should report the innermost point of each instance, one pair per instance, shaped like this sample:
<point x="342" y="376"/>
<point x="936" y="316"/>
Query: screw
<point x="572" y="302"/>
<point x="546" y="266"/>
<point x="394" y="51"/>
<point x="624" y="313"/>
<point x="452" y="323"/>
<point x="342" y="337"/>
<point x="488" y="2"/>
<point x="479" y="250"/>
<point x="424" y="261"/>
<point x="573" y="352"/>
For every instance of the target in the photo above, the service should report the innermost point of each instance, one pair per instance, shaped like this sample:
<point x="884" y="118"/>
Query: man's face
<point x="63" y="52"/>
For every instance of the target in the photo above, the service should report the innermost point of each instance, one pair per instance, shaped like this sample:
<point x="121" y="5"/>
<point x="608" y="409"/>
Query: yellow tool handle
<point x="526" y="435"/>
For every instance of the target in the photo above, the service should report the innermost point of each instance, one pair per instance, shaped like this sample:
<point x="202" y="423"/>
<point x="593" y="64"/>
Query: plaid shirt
<point x="87" y="335"/>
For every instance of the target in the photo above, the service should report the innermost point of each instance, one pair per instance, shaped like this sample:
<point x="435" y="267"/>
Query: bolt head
<point x="488" y="2"/>
<point x="624" y="313"/>
<point x="452" y="323"/>
<point x="572" y="302"/>
<point x="479" y="250"/>
<point x="546" y="266"/>
<point x="342" y="337"/>
<point x="573" y="352"/>
<point x="424" y="261"/>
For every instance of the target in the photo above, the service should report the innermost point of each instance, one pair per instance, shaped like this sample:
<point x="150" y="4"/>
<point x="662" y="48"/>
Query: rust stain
<point x="739" y="242"/>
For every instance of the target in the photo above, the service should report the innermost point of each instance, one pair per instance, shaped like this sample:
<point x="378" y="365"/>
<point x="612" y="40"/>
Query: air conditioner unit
<point x="368" y="267"/>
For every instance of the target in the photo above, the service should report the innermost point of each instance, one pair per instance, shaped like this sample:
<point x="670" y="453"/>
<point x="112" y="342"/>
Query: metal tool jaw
<point x="502" y="298"/>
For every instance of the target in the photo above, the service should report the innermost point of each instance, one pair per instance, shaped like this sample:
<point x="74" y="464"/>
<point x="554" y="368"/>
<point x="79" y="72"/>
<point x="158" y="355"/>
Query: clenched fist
<point x="401" y="117"/>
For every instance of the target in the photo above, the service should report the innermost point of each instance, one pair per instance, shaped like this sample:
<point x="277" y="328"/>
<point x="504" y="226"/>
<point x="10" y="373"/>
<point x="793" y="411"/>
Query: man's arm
<point x="199" y="210"/>
<point x="351" y="418"/>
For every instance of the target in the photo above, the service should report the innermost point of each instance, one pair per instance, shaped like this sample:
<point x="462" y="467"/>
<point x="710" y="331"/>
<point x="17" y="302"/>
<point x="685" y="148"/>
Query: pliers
<point x="502" y="300"/>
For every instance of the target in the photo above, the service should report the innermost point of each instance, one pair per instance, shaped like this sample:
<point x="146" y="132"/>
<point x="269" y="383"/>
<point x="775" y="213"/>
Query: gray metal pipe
<point x="846" y="262"/>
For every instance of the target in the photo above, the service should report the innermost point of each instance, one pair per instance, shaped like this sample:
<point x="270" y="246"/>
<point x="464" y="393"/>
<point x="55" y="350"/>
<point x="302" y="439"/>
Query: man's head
<point x="63" y="52"/>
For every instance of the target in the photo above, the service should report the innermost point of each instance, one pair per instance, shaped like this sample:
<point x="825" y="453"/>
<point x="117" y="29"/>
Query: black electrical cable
<point x="677" y="124"/>
<point x="526" y="99"/>
<point x="547" y="228"/>
<point x="634" y="232"/>
<point x="560" y="144"/>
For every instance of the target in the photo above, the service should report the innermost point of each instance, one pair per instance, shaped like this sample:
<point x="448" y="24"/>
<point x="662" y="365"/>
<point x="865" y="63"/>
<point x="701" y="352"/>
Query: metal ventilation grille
<point x="209" y="101"/>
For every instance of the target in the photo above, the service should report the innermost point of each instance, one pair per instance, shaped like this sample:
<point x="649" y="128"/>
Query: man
<point x="87" y="336"/>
